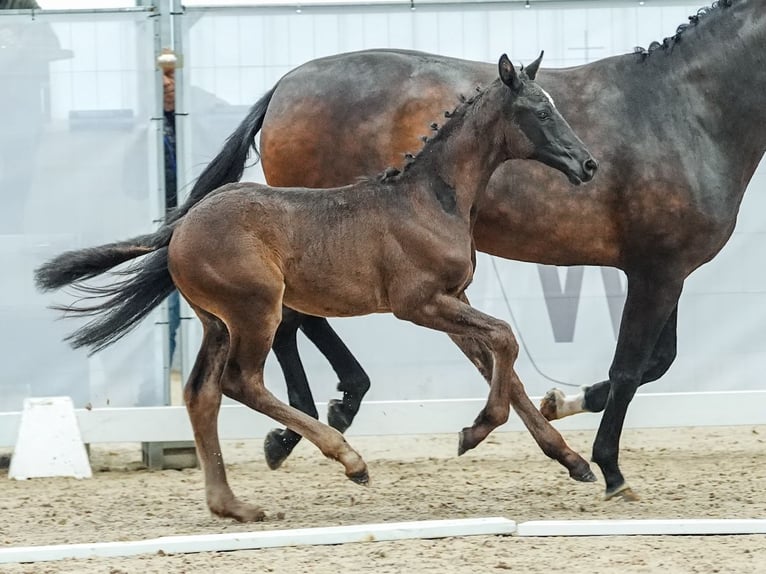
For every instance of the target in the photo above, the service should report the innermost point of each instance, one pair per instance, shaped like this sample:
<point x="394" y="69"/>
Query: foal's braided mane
<point x="390" y="173"/>
<point x="668" y="43"/>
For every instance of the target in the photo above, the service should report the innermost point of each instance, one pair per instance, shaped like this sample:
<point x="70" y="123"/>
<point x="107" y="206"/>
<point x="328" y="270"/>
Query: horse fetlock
<point x="338" y="416"/>
<point x="278" y="445"/>
<point x="549" y="405"/>
<point x="357" y="385"/>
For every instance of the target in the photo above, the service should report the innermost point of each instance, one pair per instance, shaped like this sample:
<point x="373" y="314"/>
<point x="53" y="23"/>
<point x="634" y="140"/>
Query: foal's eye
<point x="543" y="115"/>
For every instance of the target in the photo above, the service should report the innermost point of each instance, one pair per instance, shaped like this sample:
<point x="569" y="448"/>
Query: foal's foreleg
<point x="448" y="314"/>
<point x="202" y="395"/>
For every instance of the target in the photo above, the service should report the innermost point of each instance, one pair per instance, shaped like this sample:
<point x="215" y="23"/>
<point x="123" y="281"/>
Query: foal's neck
<point x="461" y="158"/>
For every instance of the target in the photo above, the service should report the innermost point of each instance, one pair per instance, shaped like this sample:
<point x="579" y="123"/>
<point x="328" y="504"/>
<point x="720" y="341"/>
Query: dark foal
<point x="399" y="243"/>
<point x="678" y="130"/>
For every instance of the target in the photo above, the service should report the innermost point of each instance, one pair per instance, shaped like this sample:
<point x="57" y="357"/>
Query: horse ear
<point x="531" y="70"/>
<point x="508" y="73"/>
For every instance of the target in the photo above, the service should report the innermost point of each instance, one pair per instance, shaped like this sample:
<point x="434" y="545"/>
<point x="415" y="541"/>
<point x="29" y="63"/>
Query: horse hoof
<point x="336" y="417"/>
<point x="549" y="404"/>
<point x="251" y="514"/>
<point x="583" y="473"/>
<point x="361" y="477"/>
<point x="465" y="441"/>
<point x="239" y="511"/>
<point x="624" y="493"/>
<point x="276" y="449"/>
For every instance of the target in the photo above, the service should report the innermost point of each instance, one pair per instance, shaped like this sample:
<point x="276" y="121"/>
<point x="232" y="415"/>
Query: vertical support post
<point x="167" y="33"/>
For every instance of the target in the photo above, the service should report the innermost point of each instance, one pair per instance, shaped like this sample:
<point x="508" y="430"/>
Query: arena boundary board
<point x="426" y="529"/>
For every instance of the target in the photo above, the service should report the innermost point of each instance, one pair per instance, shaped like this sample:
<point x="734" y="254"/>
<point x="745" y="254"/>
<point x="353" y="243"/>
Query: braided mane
<point x="668" y="43"/>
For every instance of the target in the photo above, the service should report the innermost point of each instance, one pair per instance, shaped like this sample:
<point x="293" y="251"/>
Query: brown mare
<point x="678" y="130"/>
<point x="399" y="243"/>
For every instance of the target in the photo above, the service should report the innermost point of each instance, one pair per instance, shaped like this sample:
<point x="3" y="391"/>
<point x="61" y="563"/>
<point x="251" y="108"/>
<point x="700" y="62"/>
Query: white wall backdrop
<point x="233" y="56"/>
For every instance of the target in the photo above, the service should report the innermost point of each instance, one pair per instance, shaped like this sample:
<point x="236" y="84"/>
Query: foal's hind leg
<point x="448" y="314"/>
<point x="202" y="395"/>
<point x="280" y="442"/>
<point x="243" y="379"/>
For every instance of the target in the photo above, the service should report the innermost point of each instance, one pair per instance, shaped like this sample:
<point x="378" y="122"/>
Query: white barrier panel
<point x="425" y="529"/>
<point x="158" y="424"/>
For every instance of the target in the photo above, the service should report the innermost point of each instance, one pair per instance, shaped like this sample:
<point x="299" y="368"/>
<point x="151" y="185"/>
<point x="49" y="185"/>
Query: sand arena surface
<point x="679" y="473"/>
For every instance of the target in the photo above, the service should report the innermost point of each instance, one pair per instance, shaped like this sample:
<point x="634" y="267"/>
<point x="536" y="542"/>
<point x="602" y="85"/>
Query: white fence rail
<point x="650" y="410"/>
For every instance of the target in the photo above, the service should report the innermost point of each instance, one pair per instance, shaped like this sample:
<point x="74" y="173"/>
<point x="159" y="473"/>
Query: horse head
<point x="544" y="133"/>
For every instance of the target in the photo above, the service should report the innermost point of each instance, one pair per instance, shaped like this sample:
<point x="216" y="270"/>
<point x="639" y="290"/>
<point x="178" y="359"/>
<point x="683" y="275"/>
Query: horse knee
<point x="504" y="342"/>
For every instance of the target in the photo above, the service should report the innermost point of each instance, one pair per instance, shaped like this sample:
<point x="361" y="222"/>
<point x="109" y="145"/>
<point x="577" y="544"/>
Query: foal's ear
<point x="508" y="73"/>
<point x="531" y="70"/>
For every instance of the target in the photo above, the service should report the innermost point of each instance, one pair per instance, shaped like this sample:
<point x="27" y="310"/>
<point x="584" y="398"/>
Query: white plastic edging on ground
<point x="424" y="529"/>
<point x="667" y="527"/>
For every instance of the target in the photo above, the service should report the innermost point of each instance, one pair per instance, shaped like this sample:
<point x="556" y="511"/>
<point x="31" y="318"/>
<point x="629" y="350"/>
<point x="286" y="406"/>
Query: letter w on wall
<point x="563" y="303"/>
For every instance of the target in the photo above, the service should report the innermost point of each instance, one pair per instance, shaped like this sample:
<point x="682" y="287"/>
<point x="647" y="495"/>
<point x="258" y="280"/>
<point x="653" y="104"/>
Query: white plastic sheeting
<point x="78" y="167"/>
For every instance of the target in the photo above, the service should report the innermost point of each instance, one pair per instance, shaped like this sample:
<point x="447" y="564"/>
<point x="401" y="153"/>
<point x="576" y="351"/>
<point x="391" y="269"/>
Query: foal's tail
<point x="128" y="301"/>
<point x="229" y="165"/>
<point x="124" y="303"/>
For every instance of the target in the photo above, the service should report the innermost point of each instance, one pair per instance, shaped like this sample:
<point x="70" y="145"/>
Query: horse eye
<point x="543" y="115"/>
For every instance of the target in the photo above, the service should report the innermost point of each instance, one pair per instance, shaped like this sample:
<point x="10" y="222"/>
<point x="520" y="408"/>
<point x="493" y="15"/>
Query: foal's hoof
<point x="361" y="477"/>
<point x="466" y="441"/>
<point x="549" y="405"/>
<point x="276" y="448"/>
<point x="582" y="473"/>
<point x="336" y="417"/>
<point x="239" y="511"/>
<point x="623" y="492"/>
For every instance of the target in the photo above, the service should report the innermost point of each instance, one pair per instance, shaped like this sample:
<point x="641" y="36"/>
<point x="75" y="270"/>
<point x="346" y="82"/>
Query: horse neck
<point x="725" y="69"/>
<point x="467" y="150"/>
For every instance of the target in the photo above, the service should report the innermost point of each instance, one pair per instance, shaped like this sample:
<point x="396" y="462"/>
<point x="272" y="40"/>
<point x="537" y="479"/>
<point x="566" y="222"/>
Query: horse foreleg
<point x="450" y="315"/>
<point x="477" y="351"/>
<point x="353" y="380"/>
<point x="279" y="443"/>
<point x="202" y="395"/>
<point x="649" y="305"/>
<point x="592" y="399"/>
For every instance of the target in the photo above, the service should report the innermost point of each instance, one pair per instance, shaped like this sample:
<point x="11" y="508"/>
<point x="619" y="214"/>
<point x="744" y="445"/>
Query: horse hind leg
<point x="592" y="399"/>
<point x="280" y="442"/>
<point x="243" y="380"/>
<point x="353" y="380"/>
<point x="202" y="395"/>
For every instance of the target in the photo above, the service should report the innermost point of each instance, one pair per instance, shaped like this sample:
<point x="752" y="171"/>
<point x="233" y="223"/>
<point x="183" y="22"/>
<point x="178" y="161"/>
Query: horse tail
<point x="121" y="304"/>
<point x="229" y="165"/>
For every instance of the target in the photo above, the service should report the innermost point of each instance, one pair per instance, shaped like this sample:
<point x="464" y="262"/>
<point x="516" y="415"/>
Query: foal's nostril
<point x="590" y="166"/>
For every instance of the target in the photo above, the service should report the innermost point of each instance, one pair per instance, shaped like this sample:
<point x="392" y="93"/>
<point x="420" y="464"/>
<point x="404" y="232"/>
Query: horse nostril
<point x="590" y="166"/>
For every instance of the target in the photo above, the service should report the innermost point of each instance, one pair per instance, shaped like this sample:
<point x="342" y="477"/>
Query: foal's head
<point x="536" y="130"/>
